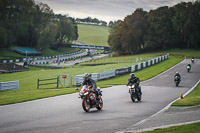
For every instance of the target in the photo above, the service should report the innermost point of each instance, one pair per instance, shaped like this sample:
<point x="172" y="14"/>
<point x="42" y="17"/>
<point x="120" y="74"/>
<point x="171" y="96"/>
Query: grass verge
<point x="143" y="74"/>
<point x="191" y="99"/>
<point x="190" y="128"/>
<point x="28" y="81"/>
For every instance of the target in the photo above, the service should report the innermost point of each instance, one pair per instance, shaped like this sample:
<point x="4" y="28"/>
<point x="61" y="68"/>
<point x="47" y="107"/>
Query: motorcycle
<point x="90" y="99"/>
<point x="188" y="68"/>
<point x="177" y="80"/>
<point x="134" y="92"/>
<point x="192" y="60"/>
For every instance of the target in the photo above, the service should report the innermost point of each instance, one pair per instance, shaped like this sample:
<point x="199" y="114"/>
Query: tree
<point x="48" y="36"/>
<point x="159" y="33"/>
<point x="3" y="38"/>
<point x="131" y="33"/>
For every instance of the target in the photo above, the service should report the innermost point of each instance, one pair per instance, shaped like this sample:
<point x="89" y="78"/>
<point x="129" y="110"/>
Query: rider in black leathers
<point x="134" y="80"/>
<point x="189" y="65"/>
<point x="177" y="74"/>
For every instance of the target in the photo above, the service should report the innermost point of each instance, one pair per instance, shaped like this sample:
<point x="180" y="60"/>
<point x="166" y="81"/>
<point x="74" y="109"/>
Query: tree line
<point x="90" y="20"/>
<point x="160" y="29"/>
<point x="30" y="24"/>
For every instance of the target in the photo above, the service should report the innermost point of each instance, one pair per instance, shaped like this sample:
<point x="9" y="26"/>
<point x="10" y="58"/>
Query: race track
<point x="64" y="114"/>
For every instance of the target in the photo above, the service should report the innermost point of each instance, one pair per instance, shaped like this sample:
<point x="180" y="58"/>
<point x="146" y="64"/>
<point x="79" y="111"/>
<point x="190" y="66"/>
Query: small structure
<point x="11" y="67"/>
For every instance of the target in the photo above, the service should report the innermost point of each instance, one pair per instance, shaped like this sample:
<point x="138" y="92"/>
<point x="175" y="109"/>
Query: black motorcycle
<point x="192" y="60"/>
<point x="135" y="92"/>
<point x="176" y="80"/>
<point x="188" y="68"/>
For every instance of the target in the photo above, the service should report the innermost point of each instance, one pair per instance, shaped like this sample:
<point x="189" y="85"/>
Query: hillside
<point x="93" y="35"/>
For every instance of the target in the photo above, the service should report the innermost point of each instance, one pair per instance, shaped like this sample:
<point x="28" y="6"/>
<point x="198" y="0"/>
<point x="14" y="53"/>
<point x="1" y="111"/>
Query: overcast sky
<point x="106" y="10"/>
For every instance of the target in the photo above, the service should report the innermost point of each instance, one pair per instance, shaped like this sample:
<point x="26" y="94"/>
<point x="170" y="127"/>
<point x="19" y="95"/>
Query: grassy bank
<point x="28" y="80"/>
<point x="142" y="74"/>
<point x="191" y="99"/>
<point x="9" y="54"/>
<point x="190" y="128"/>
<point x="93" y="35"/>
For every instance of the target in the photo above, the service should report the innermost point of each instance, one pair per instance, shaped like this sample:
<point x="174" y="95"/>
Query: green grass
<point x="28" y="82"/>
<point x="185" y="53"/>
<point x="93" y="35"/>
<point x="190" y="128"/>
<point x="28" y="79"/>
<point x="143" y="74"/>
<point x="9" y="54"/>
<point x="191" y="99"/>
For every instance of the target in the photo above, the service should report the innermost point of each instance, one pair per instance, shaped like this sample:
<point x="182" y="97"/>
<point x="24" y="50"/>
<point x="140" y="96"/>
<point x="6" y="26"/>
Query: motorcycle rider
<point x="90" y="82"/>
<point x="192" y="59"/>
<point x="189" y="65"/>
<point x="134" y="80"/>
<point x="177" y="74"/>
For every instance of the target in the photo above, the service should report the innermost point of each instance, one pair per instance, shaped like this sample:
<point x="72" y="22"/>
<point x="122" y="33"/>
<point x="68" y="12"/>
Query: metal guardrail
<point x="39" y="58"/>
<point x="11" y="85"/>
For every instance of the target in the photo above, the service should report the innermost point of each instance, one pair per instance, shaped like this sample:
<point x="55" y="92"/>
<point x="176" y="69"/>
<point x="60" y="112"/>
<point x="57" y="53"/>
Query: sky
<point x="106" y="10"/>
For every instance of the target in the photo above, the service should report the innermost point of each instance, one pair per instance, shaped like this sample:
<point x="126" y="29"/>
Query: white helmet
<point x="86" y="75"/>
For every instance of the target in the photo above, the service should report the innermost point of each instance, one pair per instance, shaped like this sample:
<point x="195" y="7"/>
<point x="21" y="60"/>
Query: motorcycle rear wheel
<point x="85" y="106"/>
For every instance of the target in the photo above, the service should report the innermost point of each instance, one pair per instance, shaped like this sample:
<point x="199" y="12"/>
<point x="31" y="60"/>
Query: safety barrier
<point x="39" y="58"/>
<point x="118" y="72"/>
<point x="11" y="85"/>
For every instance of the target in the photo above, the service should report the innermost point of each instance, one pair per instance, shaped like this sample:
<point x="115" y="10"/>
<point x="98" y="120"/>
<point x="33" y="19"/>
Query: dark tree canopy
<point x="25" y="23"/>
<point x="163" y="28"/>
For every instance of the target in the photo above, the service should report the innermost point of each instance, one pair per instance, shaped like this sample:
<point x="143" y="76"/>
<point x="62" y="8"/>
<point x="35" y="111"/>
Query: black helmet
<point x="132" y="75"/>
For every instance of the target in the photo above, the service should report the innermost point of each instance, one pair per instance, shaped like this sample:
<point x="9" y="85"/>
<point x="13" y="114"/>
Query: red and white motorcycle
<point x="90" y="99"/>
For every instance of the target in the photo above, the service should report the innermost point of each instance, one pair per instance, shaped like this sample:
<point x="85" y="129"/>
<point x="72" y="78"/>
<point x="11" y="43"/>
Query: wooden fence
<point x="53" y="82"/>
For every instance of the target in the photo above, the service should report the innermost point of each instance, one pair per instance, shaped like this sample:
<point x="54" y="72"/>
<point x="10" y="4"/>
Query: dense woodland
<point x="30" y="24"/>
<point x="163" y="28"/>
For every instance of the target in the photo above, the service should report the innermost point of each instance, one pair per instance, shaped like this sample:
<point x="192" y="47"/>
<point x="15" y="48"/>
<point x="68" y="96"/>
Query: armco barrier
<point x="39" y="58"/>
<point x="113" y="73"/>
<point x="11" y="85"/>
<point x="107" y="74"/>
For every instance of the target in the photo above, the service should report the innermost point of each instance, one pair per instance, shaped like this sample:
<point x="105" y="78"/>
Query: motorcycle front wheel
<point x="176" y="83"/>
<point x="100" y="106"/>
<point x="132" y="98"/>
<point x="85" y="106"/>
<point x="139" y="96"/>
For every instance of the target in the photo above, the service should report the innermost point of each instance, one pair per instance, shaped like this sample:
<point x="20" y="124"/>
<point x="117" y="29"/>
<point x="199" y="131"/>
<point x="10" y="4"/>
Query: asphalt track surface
<point x="64" y="113"/>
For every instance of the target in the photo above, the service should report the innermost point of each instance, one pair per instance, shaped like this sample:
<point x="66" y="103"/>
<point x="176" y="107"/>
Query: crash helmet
<point x="132" y="75"/>
<point x="177" y="72"/>
<point x="86" y="76"/>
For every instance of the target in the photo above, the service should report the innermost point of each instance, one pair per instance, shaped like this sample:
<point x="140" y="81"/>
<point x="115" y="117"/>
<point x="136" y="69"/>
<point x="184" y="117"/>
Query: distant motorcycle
<point x="192" y="60"/>
<point x="188" y="68"/>
<point x="90" y="99"/>
<point x="134" y="92"/>
<point x="177" y="80"/>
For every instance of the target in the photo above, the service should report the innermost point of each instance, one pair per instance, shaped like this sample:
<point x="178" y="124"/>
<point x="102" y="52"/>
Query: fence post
<point x="38" y="84"/>
<point x="57" y="81"/>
